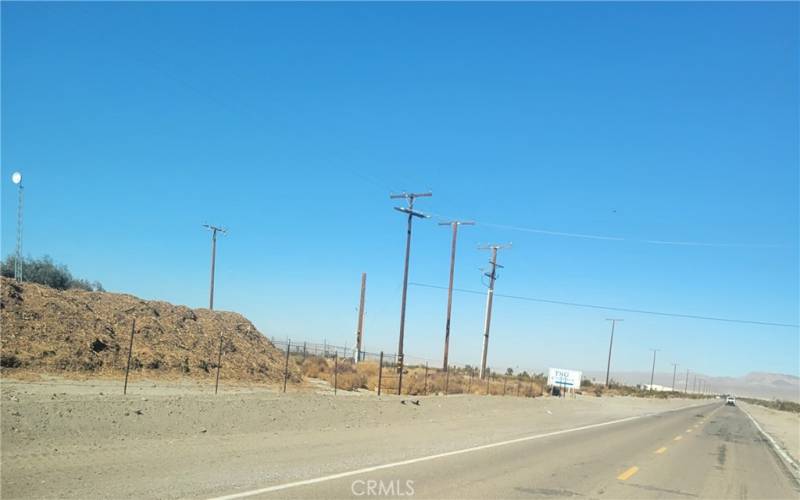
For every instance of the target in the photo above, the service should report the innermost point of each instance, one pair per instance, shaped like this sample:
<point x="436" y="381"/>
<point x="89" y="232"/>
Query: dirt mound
<point x="49" y="330"/>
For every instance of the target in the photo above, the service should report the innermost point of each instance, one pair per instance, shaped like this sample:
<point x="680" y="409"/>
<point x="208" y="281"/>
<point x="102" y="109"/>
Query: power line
<point x="619" y="309"/>
<point x="620" y="238"/>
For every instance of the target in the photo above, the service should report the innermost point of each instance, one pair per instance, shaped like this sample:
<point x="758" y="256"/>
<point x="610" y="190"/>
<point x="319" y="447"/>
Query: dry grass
<point x="416" y="382"/>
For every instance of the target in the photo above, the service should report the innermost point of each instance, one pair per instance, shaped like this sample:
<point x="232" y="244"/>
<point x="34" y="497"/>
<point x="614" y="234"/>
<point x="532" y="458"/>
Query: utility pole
<point x="674" y="372"/>
<point x="686" y="385"/>
<point x="653" y="371"/>
<point x="214" y="230"/>
<point x="408" y="210"/>
<point x="16" y="178"/>
<point x="610" y="344"/>
<point x="360" y="328"/>
<point x="454" y="224"/>
<point x="490" y="295"/>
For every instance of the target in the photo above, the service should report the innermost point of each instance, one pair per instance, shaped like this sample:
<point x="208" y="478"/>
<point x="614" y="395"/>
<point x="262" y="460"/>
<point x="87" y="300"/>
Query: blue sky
<point x="291" y="123"/>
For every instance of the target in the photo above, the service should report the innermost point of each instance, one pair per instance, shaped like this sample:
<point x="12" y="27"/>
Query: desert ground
<point x="84" y="439"/>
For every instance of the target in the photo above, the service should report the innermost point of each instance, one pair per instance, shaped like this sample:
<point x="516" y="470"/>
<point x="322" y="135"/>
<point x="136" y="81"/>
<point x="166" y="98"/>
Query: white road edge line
<point x="793" y="467"/>
<point x="365" y="470"/>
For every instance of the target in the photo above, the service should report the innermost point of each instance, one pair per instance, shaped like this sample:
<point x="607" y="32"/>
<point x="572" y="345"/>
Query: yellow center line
<point x="661" y="450"/>
<point x="628" y="473"/>
<point x="678" y="438"/>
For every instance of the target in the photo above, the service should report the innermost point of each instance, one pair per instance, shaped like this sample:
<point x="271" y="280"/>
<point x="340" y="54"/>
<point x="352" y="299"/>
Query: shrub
<point x="9" y="361"/>
<point x="314" y="366"/>
<point x="46" y="272"/>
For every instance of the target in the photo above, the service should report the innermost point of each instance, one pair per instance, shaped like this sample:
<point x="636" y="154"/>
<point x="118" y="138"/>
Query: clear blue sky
<point x="290" y="124"/>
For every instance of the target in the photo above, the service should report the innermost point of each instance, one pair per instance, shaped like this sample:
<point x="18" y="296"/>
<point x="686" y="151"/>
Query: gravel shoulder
<point x="83" y="439"/>
<point x="783" y="426"/>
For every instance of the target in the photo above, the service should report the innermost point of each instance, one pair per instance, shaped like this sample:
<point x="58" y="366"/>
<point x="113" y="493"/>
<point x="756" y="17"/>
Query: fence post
<point x="400" y="366"/>
<point x="425" y="391"/>
<point x="505" y="380"/>
<point x="469" y="384"/>
<point x="446" y="381"/>
<point x="335" y="372"/>
<point x="130" y="350"/>
<point x="380" y="373"/>
<point x="286" y="367"/>
<point x="305" y="353"/>
<point x="517" y="387"/>
<point x="219" y="363"/>
<point x="488" y="378"/>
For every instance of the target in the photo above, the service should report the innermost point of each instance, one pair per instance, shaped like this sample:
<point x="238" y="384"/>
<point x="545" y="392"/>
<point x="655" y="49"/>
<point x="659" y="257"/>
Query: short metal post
<point x="425" y="391"/>
<point x="380" y="374"/>
<point x="399" y="374"/>
<point x="469" y="384"/>
<point x="219" y="363"/>
<point x="517" y="387"/>
<point x="286" y="366"/>
<point x="130" y="351"/>
<point x="335" y="372"/>
<point x="446" y="381"/>
<point x="505" y="380"/>
<point x="488" y="379"/>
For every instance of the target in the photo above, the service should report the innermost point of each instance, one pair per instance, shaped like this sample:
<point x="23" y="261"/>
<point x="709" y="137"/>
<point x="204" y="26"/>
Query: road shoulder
<point x="782" y="431"/>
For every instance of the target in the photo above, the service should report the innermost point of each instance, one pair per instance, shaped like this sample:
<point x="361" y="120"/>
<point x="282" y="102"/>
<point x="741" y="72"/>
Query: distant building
<point x="656" y="387"/>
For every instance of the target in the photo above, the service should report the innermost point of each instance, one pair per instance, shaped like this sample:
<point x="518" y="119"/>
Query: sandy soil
<point x="783" y="426"/>
<point x="84" y="439"/>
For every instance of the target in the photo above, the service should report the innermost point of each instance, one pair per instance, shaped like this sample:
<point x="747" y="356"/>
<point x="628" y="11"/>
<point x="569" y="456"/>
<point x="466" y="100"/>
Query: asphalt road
<point x="710" y="451"/>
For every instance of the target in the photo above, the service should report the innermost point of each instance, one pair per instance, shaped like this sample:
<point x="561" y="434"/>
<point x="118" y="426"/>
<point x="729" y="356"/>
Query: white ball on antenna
<point x="16" y="177"/>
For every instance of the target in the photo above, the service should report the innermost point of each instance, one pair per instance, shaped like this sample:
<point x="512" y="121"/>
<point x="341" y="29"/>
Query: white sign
<point x="564" y="378"/>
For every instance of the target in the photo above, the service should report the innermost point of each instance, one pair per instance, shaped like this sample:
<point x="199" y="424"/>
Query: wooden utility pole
<point x="686" y="383"/>
<point x="653" y="371"/>
<point x="214" y="230"/>
<point x="454" y="224"/>
<point x="674" y="372"/>
<point x="610" y="344"/>
<point x="408" y="210"/>
<point x="360" y="327"/>
<point x="488" y="320"/>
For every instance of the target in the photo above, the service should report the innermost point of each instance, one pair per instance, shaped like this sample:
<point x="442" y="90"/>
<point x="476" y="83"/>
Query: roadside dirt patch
<point x="52" y="331"/>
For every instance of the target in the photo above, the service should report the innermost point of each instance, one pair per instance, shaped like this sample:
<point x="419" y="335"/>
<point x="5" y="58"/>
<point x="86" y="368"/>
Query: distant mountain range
<point x="754" y="384"/>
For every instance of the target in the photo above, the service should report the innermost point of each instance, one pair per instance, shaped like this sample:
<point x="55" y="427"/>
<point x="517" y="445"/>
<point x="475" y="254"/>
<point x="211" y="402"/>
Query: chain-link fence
<point x="345" y="368"/>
